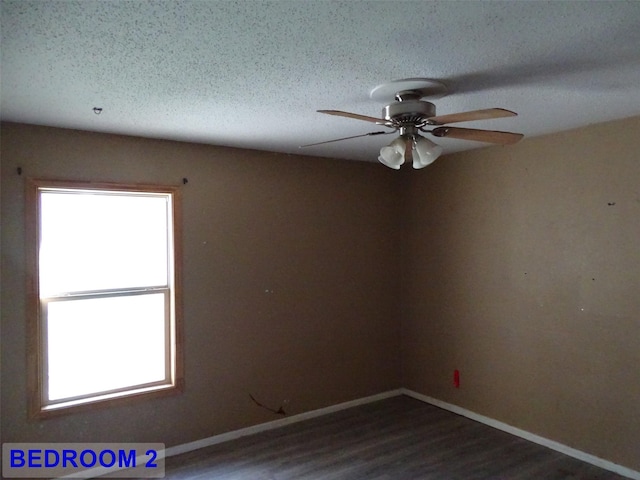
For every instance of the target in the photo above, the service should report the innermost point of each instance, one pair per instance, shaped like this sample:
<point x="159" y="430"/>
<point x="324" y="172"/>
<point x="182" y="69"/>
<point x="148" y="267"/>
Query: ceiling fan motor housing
<point x="415" y="112"/>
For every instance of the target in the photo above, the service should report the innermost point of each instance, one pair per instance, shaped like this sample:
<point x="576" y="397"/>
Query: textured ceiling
<point x="252" y="73"/>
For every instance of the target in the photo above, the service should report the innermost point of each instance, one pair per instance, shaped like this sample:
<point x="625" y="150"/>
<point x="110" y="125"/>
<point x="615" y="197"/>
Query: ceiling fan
<point x="408" y="114"/>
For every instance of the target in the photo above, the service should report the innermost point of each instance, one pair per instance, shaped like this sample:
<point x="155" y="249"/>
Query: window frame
<point x="38" y="406"/>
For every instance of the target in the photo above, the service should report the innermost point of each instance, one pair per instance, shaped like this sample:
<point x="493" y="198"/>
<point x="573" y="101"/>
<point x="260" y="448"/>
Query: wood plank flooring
<point x="399" y="438"/>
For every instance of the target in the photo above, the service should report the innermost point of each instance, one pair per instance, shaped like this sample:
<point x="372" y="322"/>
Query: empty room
<point x="288" y="239"/>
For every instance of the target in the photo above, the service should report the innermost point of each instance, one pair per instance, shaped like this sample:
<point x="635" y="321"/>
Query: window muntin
<point x="106" y="298"/>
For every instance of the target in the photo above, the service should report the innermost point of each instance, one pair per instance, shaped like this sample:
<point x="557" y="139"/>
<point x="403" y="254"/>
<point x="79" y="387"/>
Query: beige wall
<point x="522" y="270"/>
<point x="290" y="288"/>
<point x="515" y="269"/>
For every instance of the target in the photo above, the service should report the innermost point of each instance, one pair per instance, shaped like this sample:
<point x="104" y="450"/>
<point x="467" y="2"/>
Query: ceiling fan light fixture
<point x="425" y="152"/>
<point x="393" y="154"/>
<point x="409" y="114"/>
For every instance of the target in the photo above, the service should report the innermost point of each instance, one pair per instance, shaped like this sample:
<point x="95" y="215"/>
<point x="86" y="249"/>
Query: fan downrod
<point x="409" y="112"/>
<point x="422" y="87"/>
<point x="407" y="107"/>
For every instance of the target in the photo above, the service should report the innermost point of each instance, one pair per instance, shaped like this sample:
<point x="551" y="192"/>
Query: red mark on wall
<point x="456" y="378"/>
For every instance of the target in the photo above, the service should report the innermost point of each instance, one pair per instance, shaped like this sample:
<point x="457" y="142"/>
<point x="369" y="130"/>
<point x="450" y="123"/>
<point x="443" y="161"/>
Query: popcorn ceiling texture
<point x="252" y="73"/>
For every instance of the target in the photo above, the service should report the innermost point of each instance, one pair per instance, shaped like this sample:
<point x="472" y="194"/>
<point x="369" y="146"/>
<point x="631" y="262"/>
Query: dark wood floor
<point x="394" y="439"/>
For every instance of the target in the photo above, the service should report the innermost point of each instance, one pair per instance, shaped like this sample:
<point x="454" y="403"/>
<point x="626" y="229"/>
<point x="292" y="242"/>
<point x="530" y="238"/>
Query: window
<point x="104" y="294"/>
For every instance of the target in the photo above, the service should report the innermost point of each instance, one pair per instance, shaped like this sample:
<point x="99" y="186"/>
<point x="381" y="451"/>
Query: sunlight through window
<point x="106" y="283"/>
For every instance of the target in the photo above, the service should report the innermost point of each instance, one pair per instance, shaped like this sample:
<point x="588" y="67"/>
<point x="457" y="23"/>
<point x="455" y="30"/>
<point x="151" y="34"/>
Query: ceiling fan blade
<point x="473" y="115"/>
<point x="357" y="116"/>
<point x="346" y="138"/>
<point x="489" y="136"/>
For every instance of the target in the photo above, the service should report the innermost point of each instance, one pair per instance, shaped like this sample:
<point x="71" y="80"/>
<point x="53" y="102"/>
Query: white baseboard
<point x="572" y="452"/>
<point x="224" y="437"/>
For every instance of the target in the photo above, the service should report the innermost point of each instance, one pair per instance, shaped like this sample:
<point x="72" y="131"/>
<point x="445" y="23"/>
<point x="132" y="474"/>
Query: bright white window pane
<point x="95" y="345"/>
<point x="102" y="241"/>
